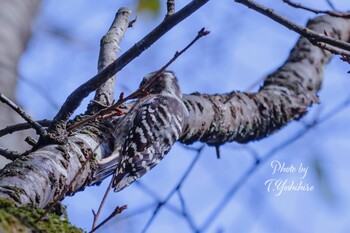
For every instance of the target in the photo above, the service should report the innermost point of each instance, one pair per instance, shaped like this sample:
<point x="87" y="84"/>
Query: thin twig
<point x="22" y="126"/>
<point x="116" y="211"/>
<point x="38" y="128"/>
<point x="217" y="150"/>
<point x="316" y="38"/>
<point x="333" y="50"/>
<point x="200" y="34"/>
<point x="311" y="35"/>
<point x="8" y="154"/>
<point x="135" y="212"/>
<point x="331" y="5"/>
<point x="331" y="13"/>
<point x="100" y="115"/>
<point x="96" y="215"/>
<point x="170" y="4"/>
<point x="74" y="99"/>
<point x="132" y="22"/>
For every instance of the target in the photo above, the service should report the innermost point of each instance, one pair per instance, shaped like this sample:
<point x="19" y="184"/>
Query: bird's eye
<point x="143" y="82"/>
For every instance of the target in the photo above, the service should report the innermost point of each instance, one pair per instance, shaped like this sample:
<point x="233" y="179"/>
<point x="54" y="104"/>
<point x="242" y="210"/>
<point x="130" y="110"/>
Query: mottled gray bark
<point x="109" y="48"/>
<point x="214" y="119"/>
<point x="16" y="18"/>
<point x="53" y="170"/>
<point x="285" y="95"/>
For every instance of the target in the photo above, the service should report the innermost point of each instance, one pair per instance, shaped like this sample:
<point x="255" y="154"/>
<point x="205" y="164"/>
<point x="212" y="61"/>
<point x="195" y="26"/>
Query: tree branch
<point x="108" y="53"/>
<point x="170" y="5"/>
<point x="11" y="155"/>
<point x="117" y="210"/>
<point x="22" y="126"/>
<point x="56" y="170"/>
<point x="313" y="37"/>
<point x="334" y="50"/>
<point x="331" y="13"/>
<point x="331" y="5"/>
<point x="38" y="128"/>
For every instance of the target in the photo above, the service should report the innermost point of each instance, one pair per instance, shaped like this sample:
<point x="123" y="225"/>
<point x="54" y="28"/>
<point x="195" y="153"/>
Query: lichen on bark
<point x="24" y="219"/>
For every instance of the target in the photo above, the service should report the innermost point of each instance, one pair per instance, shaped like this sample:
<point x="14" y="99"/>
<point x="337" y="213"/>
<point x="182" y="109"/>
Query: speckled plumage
<point x="157" y="125"/>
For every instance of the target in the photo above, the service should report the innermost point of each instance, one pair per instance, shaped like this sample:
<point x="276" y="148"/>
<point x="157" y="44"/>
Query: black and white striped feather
<point x="157" y="125"/>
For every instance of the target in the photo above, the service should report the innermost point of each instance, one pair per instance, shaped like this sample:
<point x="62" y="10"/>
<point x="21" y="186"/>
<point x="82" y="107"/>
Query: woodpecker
<point x="157" y="124"/>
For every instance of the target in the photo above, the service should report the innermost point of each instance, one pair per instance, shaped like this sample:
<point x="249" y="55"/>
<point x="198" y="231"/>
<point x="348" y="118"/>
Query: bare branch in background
<point x="313" y="37"/>
<point x="109" y="48"/>
<point x="117" y="210"/>
<point x="11" y="155"/>
<point x="170" y="4"/>
<point x="218" y="152"/>
<point x="200" y="34"/>
<point x="331" y="5"/>
<point x="316" y="11"/>
<point x="22" y="126"/>
<point x="38" y="128"/>
<point x="97" y="214"/>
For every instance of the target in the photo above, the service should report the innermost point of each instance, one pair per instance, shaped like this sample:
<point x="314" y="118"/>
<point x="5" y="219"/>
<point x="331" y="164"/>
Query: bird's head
<point x="165" y="84"/>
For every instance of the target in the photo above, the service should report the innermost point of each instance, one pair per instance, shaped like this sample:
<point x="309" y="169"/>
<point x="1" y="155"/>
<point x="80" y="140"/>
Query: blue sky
<point x="242" y="47"/>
